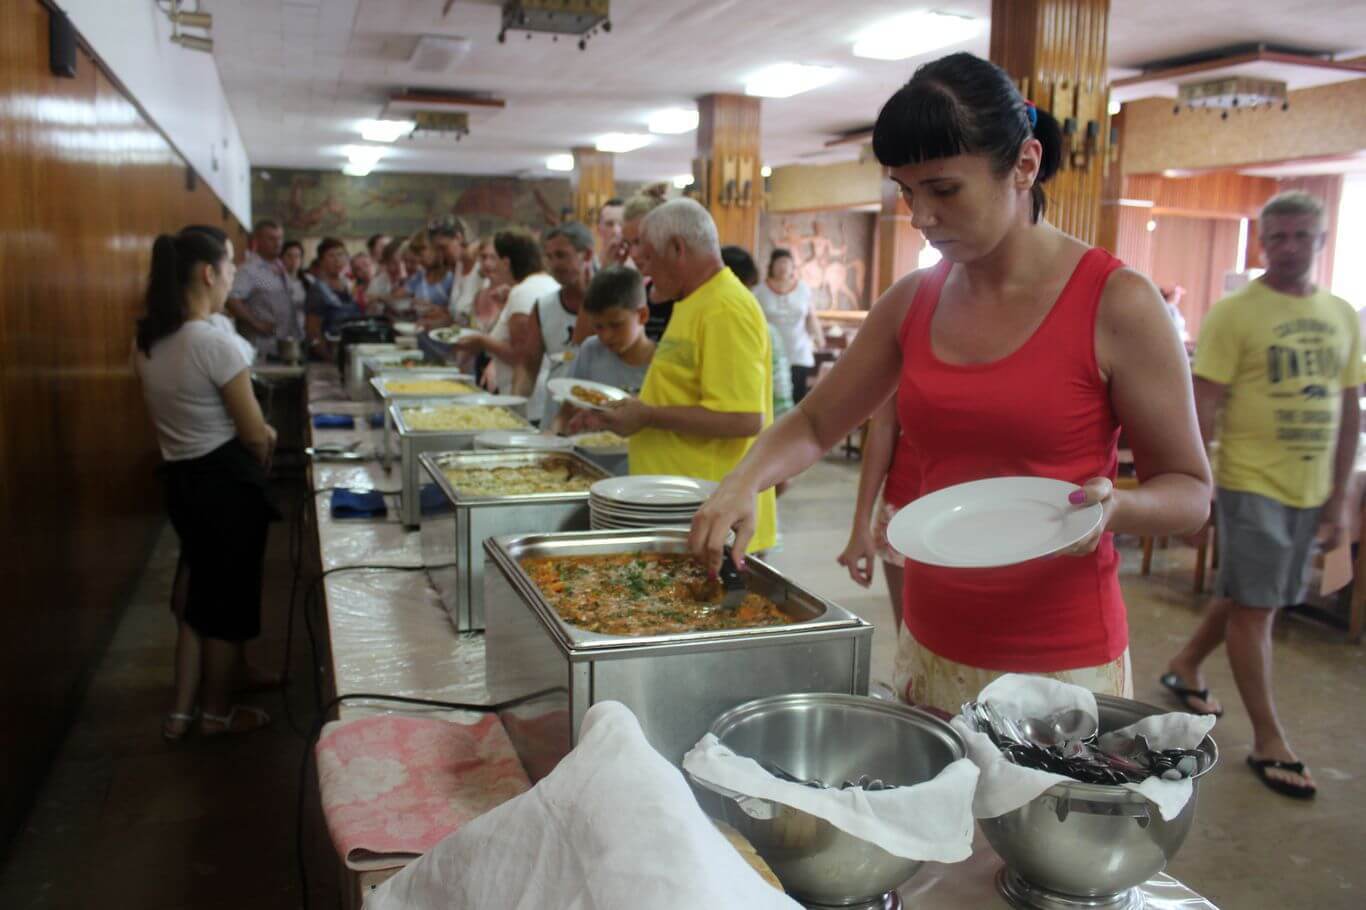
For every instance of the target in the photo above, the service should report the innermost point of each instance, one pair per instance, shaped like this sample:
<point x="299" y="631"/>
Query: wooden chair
<point x="1203" y="548"/>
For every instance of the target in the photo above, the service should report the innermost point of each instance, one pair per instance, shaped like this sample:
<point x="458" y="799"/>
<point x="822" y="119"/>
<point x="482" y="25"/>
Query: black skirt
<point x="220" y="509"/>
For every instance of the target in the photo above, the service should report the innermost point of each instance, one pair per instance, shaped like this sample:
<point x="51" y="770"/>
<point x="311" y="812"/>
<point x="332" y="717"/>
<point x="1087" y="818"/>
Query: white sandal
<point x="176" y="726"/>
<point x="239" y="719"/>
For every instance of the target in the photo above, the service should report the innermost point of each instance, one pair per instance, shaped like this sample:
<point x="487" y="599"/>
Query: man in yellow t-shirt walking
<point x="709" y="390"/>
<point x="1282" y="358"/>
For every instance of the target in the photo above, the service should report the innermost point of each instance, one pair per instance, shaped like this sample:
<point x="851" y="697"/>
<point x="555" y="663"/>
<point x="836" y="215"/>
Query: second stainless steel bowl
<point x="1092" y="841"/>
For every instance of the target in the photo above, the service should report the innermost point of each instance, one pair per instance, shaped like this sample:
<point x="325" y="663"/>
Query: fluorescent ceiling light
<point x="364" y="154"/>
<point x="560" y="163"/>
<point x="765" y="171"/>
<point x="357" y="170"/>
<point x="683" y="180"/>
<point x="783" y="80"/>
<point x="673" y="120"/>
<point x="913" y="34"/>
<point x="384" y="130"/>
<point x="622" y="142"/>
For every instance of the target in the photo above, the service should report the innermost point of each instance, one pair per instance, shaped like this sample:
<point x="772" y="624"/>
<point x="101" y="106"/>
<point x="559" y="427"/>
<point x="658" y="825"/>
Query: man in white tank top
<point x="558" y="320"/>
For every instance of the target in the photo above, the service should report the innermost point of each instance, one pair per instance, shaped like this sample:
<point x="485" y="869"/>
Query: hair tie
<point x="1032" y="113"/>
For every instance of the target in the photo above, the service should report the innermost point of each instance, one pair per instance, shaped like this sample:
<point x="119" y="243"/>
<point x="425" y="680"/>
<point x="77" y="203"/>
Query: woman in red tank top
<point x="1021" y="354"/>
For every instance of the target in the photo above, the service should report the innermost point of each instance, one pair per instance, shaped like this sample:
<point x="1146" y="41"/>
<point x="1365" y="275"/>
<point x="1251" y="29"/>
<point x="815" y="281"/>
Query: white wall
<point x="178" y="88"/>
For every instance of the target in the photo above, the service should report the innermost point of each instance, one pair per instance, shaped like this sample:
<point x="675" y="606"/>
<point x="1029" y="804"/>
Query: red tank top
<point x="902" y="484"/>
<point x="1042" y="411"/>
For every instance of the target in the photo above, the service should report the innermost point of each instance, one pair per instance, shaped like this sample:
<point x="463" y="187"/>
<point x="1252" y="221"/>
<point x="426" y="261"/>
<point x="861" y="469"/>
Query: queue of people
<point x="1023" y="352"/>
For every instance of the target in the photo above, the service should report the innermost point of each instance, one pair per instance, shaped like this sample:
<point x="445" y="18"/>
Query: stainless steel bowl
<point x="834" y="738"/>
<point x="1090" y="841"/>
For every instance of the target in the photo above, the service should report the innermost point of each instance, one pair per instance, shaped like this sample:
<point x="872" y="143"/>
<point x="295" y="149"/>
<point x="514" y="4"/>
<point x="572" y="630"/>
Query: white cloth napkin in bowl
<point x="929" y="821"/>
<point x="614" y="825"/>
<point x="1004" y="786"/>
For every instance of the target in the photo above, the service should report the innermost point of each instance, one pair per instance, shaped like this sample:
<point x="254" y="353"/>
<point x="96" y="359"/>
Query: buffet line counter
<point x="386" y="632"/>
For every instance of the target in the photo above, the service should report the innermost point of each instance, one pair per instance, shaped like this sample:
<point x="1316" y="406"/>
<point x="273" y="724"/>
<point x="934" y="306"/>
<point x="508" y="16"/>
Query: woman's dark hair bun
<point x="964" y="105"/>
<point x="173" y="261"/>
<point x="1049" y="133"/>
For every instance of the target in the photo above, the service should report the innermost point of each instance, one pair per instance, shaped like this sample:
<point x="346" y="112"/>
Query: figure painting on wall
<point x="832" y="253"/>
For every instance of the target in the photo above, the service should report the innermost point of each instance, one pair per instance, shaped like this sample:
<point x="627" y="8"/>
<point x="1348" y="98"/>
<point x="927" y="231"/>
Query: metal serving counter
<point x="387" y="633"/>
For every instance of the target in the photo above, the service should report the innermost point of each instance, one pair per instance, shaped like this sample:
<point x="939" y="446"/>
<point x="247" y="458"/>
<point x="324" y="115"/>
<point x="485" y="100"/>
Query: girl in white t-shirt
<point x="216" y="448"/>
<point x="787" y="304"/>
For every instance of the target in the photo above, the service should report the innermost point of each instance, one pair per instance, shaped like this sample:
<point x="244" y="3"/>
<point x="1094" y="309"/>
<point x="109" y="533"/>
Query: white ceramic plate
<point x="517" y="439"/>
<point x="405" y="328"/>
<point x="450" y="334"/>
<point x="562" y="389"/>
<point x="619" y="449"/>
<point x="561" y="357"/>
<point x="654" y="489"/>
<point x="997" y="522"/>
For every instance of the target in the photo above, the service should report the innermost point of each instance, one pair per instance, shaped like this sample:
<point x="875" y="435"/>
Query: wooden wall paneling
<point x="1219" y="194"/>
<point x="1134" y="242"/>
<point x="1056" y="51"/>
<point x="87" y="184"/>
<point x="1194" y="253"/>
<point x="728" y="134"/>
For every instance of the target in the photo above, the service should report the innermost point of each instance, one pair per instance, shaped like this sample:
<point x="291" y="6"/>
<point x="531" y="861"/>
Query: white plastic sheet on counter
<point x="391" y="636"/>
<point x="365" y="541"/>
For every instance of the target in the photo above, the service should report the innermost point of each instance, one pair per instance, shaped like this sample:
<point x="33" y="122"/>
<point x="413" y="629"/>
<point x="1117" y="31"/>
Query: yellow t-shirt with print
<point x="714" y="354"/>
<point x="1286" y="361"/>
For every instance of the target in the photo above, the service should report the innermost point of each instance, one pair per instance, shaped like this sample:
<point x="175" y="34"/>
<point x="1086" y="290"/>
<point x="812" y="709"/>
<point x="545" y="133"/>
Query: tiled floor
<point x="127" y="821"/>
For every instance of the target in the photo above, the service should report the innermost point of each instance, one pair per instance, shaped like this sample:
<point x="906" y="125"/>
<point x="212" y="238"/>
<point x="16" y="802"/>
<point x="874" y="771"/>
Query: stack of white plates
<point x="646" y="501"/>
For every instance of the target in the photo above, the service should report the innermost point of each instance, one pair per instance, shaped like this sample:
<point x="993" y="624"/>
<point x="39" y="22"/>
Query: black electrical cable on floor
<point x="298" y="535"/>
<point x="393" y="699"/>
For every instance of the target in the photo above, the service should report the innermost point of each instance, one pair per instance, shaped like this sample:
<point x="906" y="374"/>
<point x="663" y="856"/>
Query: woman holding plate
<point x="1020" y="355"/>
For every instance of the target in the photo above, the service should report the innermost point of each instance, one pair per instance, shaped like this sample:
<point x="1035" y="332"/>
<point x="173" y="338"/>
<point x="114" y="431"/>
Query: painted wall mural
<point x="833" y="250"/>
<point x="316" y="203"/>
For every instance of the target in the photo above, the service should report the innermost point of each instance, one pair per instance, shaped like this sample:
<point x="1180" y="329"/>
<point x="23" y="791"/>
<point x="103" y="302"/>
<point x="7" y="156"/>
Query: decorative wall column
<point x="896" y="245"/>
<point x="1055" y="50"/>
<point x="726" y="169"/>
<point x="592" y="182"/>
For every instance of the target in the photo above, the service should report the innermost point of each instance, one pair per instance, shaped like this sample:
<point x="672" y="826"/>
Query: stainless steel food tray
<point x="412" y="443"/>
<point x="458" y="534"/>
<point x="676" y="684"/>
<point x="357" y="382"/>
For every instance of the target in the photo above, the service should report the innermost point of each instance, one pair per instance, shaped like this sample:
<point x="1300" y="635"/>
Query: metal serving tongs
<point x="732" y="582"/>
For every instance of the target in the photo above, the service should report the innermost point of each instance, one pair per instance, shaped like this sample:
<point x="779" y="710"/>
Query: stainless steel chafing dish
<point x="676" y="684"/>
<point x="382" y="383"/>
<point x="357" y="383"/>
<point x="412" y="442"/>
<point x="393" y="362"/>
<point x="383" y="387"/>
<point x="460" y="532"/>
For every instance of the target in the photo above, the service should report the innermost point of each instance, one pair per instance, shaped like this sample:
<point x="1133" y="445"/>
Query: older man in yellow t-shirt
<point x="709" y="390"/>
<point x="1282" y="360"/>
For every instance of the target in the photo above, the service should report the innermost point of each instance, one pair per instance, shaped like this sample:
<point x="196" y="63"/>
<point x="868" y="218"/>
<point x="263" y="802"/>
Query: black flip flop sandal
<point x="1285" y="788"/>
<point x="1177" y="686"/>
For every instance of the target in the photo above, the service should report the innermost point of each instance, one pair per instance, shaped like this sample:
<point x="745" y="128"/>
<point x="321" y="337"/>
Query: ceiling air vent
<point x="436" y="54"/>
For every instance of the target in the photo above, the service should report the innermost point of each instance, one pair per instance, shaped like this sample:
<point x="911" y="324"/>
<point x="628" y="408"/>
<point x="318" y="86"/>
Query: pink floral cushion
<point x="392" y="787"/>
